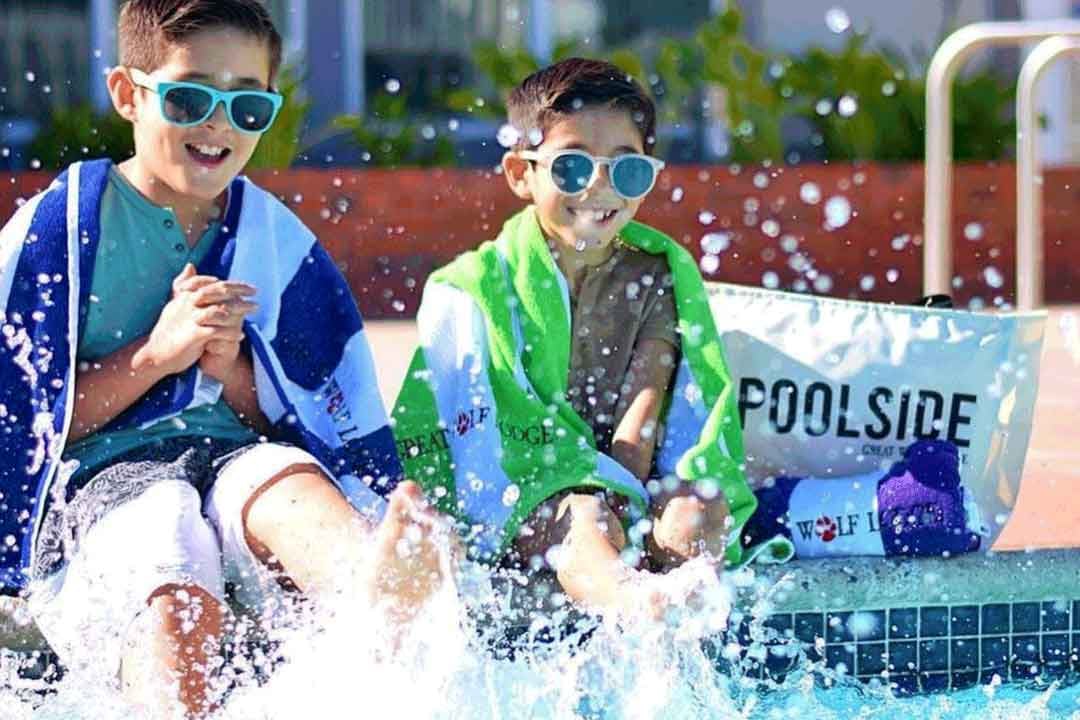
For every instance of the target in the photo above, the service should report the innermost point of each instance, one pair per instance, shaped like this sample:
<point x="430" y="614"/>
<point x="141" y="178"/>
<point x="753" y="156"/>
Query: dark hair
<point x="147" y="27"/>
<point x="571" y="85"/>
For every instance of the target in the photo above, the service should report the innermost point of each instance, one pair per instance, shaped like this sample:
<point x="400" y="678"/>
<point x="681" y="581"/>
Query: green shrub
<point x="279" y="146"/>
<point x="78" y="133"/>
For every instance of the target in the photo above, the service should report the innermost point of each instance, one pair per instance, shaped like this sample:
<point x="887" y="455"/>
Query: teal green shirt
<point x="142" y="248"/>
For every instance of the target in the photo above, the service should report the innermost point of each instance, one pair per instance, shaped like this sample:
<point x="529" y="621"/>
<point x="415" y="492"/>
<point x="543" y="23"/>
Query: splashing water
<point x="460" y="661"/>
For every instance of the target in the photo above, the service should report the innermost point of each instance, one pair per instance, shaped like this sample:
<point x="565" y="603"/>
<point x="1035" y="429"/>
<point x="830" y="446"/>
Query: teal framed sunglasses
<point x="572" y="171"/>
<point x="187" y="103"/>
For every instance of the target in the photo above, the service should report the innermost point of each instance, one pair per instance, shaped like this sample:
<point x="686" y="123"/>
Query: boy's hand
<point x="220" y="354"/>
<point x="203" y="310"/>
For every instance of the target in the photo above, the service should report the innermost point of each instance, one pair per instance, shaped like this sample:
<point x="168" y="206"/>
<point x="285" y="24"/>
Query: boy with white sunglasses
<point x="569" y="401"/>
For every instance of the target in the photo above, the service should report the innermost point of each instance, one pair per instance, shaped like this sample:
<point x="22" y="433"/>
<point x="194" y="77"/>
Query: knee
<point x="588" y="515"/>
<point x="186" y="603"/>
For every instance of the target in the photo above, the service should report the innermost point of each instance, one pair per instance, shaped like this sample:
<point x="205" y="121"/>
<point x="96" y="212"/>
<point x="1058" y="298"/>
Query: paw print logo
<point x="825" y="527"/>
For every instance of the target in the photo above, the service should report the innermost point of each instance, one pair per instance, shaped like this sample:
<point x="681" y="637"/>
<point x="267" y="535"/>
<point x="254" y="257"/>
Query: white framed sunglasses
<point x="572" y="171"/>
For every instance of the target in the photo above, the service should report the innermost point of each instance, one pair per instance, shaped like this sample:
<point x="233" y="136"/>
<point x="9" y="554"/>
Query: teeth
<point x="598" y="215"/>
<point x="212" y="150"/>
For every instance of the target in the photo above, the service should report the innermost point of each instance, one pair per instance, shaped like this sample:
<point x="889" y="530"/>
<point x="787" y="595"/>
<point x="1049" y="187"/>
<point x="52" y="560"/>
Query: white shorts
<point x="165" y="535"/>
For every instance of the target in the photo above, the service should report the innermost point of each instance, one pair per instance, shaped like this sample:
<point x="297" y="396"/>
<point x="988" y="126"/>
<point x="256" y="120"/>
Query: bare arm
<point x="110" y="386"/>
<point x="239" y="392"/>
<point x="651" y="368"/>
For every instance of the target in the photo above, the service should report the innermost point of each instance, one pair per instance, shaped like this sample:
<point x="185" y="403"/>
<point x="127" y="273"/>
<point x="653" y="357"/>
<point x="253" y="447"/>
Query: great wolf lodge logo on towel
<point x="835" y="388"/>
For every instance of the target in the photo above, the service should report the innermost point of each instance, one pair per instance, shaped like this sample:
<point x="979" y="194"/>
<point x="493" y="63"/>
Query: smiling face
<point x="585" y="224"/>
<point x="193" y="164"/>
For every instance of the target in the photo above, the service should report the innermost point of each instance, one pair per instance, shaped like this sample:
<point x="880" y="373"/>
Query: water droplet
<point x="453" y="124"/>
<point x="9" y="541"/>
<point x="30" y="76"/>
<point x="823" y="283"/>
<point x="393" y="85"/>
<point x="847" y="106"/>
<point x="508" y="136"/>
<point x="35" y="164"/>
<point x="536" y="137"/>
<point x="770" y="280"/>
<point x="837" y="212"/>
<point x="677" y="195"/>
<point x="710" y="264"/>
<point x="705" y="217"/>
<point x="892" y="275"/>
<point x="715" y="243"/>
<point x="761" y="180"/>
<point x="789" y="243"/>
<point x="867" y="282"/>
<point x="810" y="193"/>
<point x="823" y="106"/>
<point x="837" y="19"/>
<point x="993" y="277"/>
<point x="428" y="132"/>
<point x="771" y="228"/>
<point x="973" y="231"/>
<point x="888" y="88"/>
<point x="900" y="242"/>
<point x="398" y="305"/>
<point x="510" y="495"/>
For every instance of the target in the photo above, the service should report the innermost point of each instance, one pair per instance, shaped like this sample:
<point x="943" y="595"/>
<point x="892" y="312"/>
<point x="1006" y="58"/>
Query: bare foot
<point x="412" y="553"/>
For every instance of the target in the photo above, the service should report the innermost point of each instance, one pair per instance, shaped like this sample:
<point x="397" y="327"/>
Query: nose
<point x="219" y="115"/>
<point x="601" y="179"/>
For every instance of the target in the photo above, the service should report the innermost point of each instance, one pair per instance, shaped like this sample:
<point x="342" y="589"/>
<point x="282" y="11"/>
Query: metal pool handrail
<point x="937" y="219"/>
<point x="1029" y="191"/>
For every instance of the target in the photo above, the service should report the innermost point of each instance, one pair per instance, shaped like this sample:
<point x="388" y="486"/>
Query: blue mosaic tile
<point x="904" y="683"/>
<point x="965" y="654"/>
<point x="903" y="656"/>
<point x="935" y="682"/>
<point x="964" y="679"/>
<point x="994" y="652"/>
<point x="868" y="625"/>
<point x="903" y="623"/>
<point x="809" y="626"/>
<point x="1025" y="617"/>
<point x="965" y="620"/>
<point x="840" y="655"/>
<point x="780" y="660"/>
<point x="1025" y="648"/>
<point x="933" y="622"/>
<point x="1055" y="616"/>
<point x="1055" y="648"/>
<point x="995" y="619"/>
<point x="838" y="628"/>
<point x="933" y="655"/>
<point x="870" y="658"/>
<point x="782" y="624"/>
<point x="1076" y="614"/>
<point x="1074" y="650"/>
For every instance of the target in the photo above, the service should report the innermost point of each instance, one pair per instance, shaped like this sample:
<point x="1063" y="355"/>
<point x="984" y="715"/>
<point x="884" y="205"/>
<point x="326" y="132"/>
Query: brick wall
<point x="389" y="229"/>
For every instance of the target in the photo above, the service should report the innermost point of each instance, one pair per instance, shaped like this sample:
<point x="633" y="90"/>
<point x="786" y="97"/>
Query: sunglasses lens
<point x="187" y="105"/>
<point x="632" y="177"/>
<point x="252" y="112"/>
<point x="571" y="172"/>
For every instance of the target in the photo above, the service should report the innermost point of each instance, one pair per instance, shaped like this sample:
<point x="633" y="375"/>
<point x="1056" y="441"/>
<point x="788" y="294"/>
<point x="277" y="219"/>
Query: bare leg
<point x="168" y="672"/>
<point x="583" y="538"/>
<point x="685" y="525"/>
<point x="300" y="522"/>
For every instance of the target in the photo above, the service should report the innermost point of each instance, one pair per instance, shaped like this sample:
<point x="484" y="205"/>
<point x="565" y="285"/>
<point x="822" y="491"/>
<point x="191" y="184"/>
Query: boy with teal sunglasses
<point x="216" y="441"/>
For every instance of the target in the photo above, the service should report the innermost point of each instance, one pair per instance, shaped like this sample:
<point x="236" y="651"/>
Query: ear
<point x="516" y="169"/>
<point x="122" y="92"/>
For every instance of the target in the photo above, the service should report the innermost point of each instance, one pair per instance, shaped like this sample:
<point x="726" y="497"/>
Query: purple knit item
<point x="921" y="503"/>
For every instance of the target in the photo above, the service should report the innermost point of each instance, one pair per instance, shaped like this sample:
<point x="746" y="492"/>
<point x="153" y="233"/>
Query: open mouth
<point x="600" y="217"/>
<point x="208" y="155"/>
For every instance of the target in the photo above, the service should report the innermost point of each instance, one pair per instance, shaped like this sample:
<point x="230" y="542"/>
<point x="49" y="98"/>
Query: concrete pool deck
<point x="1047" y="513"/>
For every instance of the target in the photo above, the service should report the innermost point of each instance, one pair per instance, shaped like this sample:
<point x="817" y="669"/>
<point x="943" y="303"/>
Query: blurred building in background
<point x="54" y="52"/>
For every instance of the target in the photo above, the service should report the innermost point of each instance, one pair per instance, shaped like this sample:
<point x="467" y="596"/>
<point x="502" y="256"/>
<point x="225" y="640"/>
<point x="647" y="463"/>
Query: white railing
<point x="958" y="47"/>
